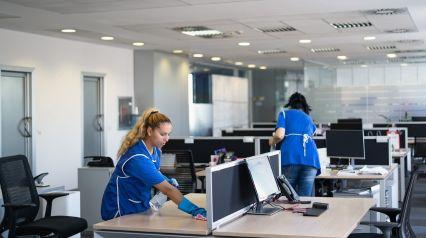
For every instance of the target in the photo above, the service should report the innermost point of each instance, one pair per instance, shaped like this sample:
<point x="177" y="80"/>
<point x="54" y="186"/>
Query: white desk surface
<point x="328" y="174"/>
<point x="400" y="153"/>
<point x="169" y="220"/>
<point x="341" y="218"/>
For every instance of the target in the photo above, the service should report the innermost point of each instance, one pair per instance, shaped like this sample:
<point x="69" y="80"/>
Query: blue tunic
<point x="129" y="188"/>
<point x="298" y="147"/>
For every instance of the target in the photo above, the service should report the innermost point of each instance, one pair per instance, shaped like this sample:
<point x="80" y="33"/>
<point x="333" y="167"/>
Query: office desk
<point x="341" y="218"/>
<point x="391" y="176"/>
<point x="170" y="221"/>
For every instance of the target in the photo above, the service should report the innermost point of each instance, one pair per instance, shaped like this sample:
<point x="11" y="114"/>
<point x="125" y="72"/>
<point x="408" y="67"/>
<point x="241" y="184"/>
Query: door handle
<point x="25" y="124"/>
<point x="99" y="122"/>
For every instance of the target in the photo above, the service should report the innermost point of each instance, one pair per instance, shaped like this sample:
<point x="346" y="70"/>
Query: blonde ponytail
<point x="151" y="117"/>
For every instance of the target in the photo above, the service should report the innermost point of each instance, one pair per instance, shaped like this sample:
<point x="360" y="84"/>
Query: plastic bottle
<point x="158" y="201"/>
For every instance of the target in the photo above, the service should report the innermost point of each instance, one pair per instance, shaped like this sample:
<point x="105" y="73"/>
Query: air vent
<point x="395" y="60"/>
<point x="271" y="52"/>
<point x="410" y="42"/>
<point x="399" y="30"/>
<point x="5" y="16"/>
<point x="355" y="62"/>
<point x="381" y="47"/>
<point x="324" y="50"/>
<point x="386" y="11"/>
<point x="414" y="57"/>
<point x="348" y="25"/>
<point x="276" y="29"/>
<point x="410" y="51"/>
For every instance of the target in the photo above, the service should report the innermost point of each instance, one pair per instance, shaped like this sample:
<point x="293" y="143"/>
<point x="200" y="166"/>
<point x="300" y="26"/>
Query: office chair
<point x="399" y="225"/>
<point x="184" y="172"/>
<point x="21" y="203"/>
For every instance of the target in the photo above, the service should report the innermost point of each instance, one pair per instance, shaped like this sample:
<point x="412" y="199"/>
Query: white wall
<point x="57" y="102"/>
<point x="164" y="86"/>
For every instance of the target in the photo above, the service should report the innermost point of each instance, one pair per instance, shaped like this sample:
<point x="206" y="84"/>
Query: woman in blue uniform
<point x="299" y="155"/>
<point x="137" y="171"/>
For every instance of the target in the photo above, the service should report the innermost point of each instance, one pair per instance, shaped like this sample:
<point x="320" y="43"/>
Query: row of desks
<point x="338" y="221"/>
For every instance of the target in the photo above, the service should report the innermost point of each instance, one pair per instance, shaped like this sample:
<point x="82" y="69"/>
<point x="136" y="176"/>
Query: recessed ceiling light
<point x="68" y="30"/>
<point x="238" y="63"/>
<point x="138" y="43"/>
<point x="342" y="57"/>
<point x="294" y="59"/>
<point x="364" y="66"/>
<point x="177" y="51"/>
<point x="369" y="37"/>
<point x="251" y="66"/>
<point x="305" y="41"/>
<point x="404" y="64"/>
<point x="215" y="58"/>
<point x="197" y="55"/>
<point x="243" y="43"/>
<point x="391" y="55"/>
<point x="107" y="38"/>
<point x="263" y="67"/>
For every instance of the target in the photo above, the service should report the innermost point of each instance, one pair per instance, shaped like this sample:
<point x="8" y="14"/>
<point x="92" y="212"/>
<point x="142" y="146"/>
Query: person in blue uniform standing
<point x="137" y="171"/>
<point x="299" y="155"/>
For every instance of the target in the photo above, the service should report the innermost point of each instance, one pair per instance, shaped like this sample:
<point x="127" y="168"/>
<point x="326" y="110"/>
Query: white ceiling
<point x="151" y="21"/>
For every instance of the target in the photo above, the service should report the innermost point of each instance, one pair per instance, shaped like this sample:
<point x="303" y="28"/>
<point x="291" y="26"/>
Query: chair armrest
<point x="385" y="227"/>
<point x="392" y="213"/>
<point x="14" y="206"/>
<point x="49" y="199"/>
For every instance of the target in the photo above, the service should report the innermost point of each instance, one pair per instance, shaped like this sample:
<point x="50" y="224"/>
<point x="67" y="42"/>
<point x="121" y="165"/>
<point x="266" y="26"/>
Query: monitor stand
<point x="263" y="209"/>
<point x="351" y="165"/>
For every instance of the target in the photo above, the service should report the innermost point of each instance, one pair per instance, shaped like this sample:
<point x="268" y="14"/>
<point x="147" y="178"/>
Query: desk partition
<point x="248" y="132"/>
<point x="381" y="131"/>
<point x="264" y="125"/>
<point x="203" y="147"/>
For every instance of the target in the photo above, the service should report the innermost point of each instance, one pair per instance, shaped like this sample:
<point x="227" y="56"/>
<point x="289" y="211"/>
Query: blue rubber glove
<point x="192" y="209"/>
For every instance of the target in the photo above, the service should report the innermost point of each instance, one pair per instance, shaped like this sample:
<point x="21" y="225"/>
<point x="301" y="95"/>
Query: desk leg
<point x="402" y="179"/>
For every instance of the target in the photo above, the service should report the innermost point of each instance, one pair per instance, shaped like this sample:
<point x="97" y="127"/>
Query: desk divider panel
<point x="203" y="147"/>
<point x="248" y="132"/>
<point x="381" y="131"/>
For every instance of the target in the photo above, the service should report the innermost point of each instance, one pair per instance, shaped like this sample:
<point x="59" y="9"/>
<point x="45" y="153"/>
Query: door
<point x="15" y="114"/>
<point x="93" y="116"/>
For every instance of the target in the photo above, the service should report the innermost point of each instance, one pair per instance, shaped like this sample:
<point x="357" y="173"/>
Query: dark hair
<point x="298" y="101"/>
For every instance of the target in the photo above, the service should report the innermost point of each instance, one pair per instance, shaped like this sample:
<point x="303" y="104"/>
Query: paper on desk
<point x="373" y="170"/>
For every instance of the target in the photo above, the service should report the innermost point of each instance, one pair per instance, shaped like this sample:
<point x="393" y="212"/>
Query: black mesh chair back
<point x="184" y="172"/>
<point x="17" y="186"/>
<point x="405" y="230"/>
<point x="413" y="222"/>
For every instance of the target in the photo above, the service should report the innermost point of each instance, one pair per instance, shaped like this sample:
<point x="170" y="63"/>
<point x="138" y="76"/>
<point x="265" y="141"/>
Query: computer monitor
<point x="350" y="120"/>
<point x="421" y="118"/>
<point x="377" y="151"/>
<point x="345" y="144"/>
<point x="415" y="129"/>
<point x="264" y="183"/>
<point x="346" y="126"/>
